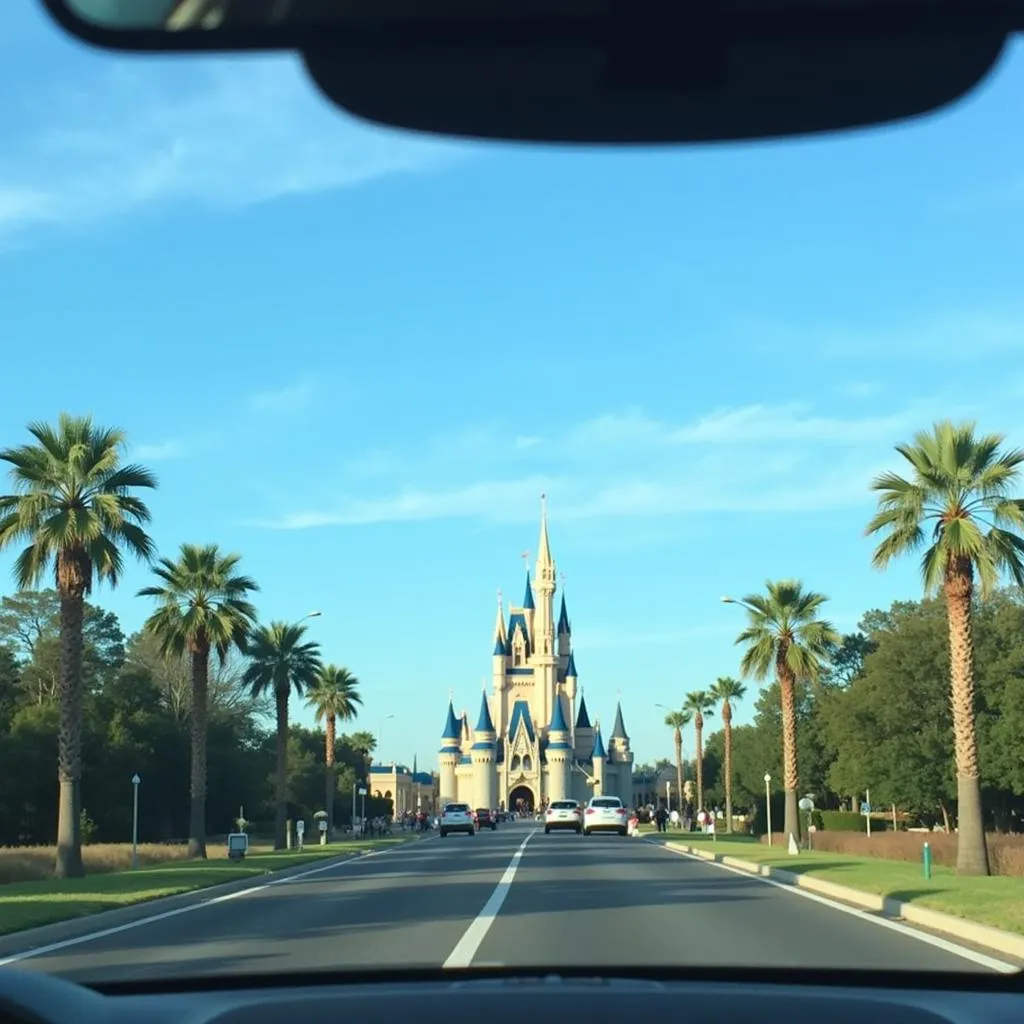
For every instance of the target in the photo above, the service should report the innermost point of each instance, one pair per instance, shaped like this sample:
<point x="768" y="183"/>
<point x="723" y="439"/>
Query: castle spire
<point x="544" y="545"/>
<point x="500" y="639"/>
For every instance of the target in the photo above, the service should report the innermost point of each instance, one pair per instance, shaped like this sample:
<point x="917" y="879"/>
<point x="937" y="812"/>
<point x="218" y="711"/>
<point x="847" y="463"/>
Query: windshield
<point x="349" y="478"/>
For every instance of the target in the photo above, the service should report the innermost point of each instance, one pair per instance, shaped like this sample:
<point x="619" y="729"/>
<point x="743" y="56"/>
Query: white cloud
<point x="211" y="133"/>
<point x="289" y="398"/>
<point x="951" y="337"/>
<point x="752" y="460"/>
<point x="158" y="452"/>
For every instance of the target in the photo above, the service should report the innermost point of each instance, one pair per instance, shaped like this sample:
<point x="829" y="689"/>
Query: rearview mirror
<point x="600" y="71"/>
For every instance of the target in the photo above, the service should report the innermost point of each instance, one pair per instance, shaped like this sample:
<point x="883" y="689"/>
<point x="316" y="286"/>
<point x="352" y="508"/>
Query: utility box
<point x="238" y="845"/>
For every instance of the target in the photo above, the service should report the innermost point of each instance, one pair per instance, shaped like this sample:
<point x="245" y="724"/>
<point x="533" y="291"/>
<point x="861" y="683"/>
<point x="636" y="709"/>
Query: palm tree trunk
<point x="330" y="780"/>
<point x="727" y="723"/>
<point x="69" y="736"/>
<point x="200" y="714"/>
<point x="971" y="851"/>
<point x="791" y="817"/>
<point x="679" y="769"/>
<point x="281" y="781"/>
<point x="699" y="729"/>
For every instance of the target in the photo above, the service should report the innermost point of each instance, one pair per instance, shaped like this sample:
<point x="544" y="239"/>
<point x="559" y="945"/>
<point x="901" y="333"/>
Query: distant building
<point x="407" y="788"/>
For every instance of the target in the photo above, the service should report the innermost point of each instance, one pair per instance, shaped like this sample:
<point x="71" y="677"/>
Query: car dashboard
<point x="31" y="997"/>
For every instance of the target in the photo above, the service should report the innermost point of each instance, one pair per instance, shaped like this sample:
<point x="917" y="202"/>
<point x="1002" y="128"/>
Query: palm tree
<point x="74" y="508"/>
<point x="281" y="661"/>
<point x="960" y="486"/>
<point x="334" y="695"/>
<point x="678" y="721"/>
<point x="699" y="703"/>
<point x="366" y="744"/>
<point x="203" y="606"/>
<point x="727" y="690"/>
<point x="784" y="632"/>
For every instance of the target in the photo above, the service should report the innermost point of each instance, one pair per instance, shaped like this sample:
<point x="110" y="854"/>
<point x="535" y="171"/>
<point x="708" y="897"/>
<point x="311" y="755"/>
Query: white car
<point x="605" y="814"/>
<point x="563" y="814"/>
<point x="457" y="818"/>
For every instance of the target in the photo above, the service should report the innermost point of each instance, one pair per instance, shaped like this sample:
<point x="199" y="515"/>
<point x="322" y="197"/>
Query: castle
<point x="532" y="742"/>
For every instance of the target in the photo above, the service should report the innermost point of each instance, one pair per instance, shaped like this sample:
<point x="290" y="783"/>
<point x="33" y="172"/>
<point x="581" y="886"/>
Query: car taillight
<point x="590" y="810"/>
<point x="622" y="810"/>
<point x="551" y="810"/>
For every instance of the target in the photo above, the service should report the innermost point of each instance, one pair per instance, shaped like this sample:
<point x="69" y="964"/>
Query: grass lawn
<point x="31" y="904"/>
<point x="997" y="901"/>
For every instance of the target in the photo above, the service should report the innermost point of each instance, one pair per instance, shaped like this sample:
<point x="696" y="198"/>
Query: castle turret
<point x="571" y="683"/>
<point x="449" y="757"/>
<point x="598" y="757"/>
<point x="559" y="753"/>
<point x="485" y="775"/>
<point x="622" y="756"/>
<point x="583" y="732"/>
<point x="499" y="662"/>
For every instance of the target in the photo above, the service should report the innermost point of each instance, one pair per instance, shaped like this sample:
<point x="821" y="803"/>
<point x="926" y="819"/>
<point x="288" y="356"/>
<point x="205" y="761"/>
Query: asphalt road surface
<point x="509" y="898"/>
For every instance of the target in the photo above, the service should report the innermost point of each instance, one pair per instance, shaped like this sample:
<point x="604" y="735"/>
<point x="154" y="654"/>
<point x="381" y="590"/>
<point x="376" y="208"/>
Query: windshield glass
<point x="349" y="477"/>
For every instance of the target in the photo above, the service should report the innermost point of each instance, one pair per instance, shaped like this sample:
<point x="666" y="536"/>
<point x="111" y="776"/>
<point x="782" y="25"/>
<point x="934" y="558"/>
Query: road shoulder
<point x="25" y="940"/>
<point x="969" y="932"/>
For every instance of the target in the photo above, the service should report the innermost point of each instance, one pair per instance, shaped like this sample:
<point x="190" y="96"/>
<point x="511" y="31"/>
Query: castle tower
<point x="499" y="663"/>
<point x="583" y="732"/>
<point x="546" y="661"/>
<point x="622" y="757"/>
<point x="449" y="757"/>
<point x="559" y="753"/>
<point x="598" y="758"/>
<point x="485" y="775"/>
<point x="571" y="686"/>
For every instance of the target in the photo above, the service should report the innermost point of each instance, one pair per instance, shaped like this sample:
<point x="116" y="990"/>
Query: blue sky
<point x="357" y="357"/>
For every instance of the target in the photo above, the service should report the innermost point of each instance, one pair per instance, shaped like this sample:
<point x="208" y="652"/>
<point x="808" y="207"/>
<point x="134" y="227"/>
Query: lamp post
<point x="768" y="804"/>
<point x="135" y="821"/>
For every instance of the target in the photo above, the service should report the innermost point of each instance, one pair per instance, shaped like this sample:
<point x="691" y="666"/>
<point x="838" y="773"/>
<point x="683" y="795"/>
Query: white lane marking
<point x="212" y="901"/>
<point x="990" y="962"/>
<point x="464" y="951"/>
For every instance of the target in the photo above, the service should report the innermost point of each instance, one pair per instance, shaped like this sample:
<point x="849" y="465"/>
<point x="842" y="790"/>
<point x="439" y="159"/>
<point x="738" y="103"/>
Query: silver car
<point x="605" y="814"/>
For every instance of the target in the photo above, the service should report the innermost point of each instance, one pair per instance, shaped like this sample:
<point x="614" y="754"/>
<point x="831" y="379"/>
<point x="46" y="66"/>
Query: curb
<point x="14" y="943"/>
<point x="983" y="935"/>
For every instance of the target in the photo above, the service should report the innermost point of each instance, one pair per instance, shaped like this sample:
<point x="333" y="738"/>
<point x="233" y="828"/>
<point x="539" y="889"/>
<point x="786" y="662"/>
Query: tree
<point x="677" y="721"/>
<point x="784" y="632"/>
<point x="699" y="703"/>
<point x="74" y="507"/>
<point x="281" y="661"/>
<point x="203" y="606"/>
<point x="960" y="486"/>
<point x="727" y="690"/>
<point x="334" y="695"/>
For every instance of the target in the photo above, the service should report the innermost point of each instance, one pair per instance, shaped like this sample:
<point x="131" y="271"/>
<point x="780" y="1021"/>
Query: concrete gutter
<point x="1007" y="943"/>
<point x="72" y="928"/>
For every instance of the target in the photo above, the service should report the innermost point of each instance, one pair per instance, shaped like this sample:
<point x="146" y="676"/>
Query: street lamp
<point x="768" y="804"/>
<point x="310" y="615"/>
<point x="135" y="821"/>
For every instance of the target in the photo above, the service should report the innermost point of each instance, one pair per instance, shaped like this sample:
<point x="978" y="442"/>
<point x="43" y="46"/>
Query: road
<point x="514" y="897"/>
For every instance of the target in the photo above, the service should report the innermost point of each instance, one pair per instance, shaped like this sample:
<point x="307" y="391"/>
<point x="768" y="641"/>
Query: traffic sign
<point x="323" y="826"/>
<point x="865" y="808"/>
<point x="300" y="826"/>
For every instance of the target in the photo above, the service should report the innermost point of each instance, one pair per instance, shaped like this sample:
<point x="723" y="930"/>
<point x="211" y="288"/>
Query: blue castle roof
<point x="528" y="598"/>
<point x="452" y="732"/>
<point x="598" y="753"/>
<point x="570" y="668"/>
<point x="558" y="717"/>
<point x="484" y="723"/>
<point x="563" y="619"/>
<point x="619" y="729"/>
<point x="582" y="718"/>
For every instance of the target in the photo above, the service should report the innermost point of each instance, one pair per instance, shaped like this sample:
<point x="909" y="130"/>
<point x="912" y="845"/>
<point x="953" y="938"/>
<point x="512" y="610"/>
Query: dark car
<point x="485" y="819"/>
